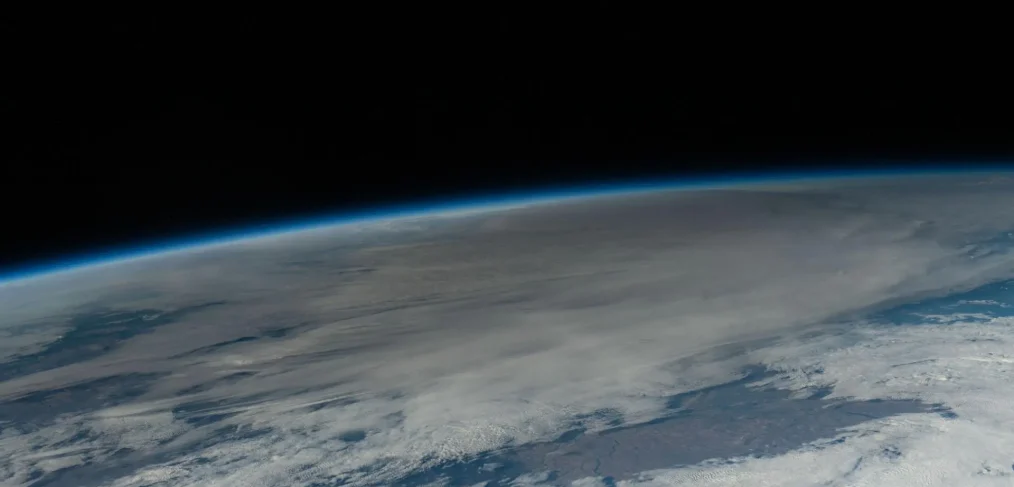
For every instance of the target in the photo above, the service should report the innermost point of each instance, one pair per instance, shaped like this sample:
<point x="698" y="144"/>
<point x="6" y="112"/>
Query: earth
<point x="845" y="331"/>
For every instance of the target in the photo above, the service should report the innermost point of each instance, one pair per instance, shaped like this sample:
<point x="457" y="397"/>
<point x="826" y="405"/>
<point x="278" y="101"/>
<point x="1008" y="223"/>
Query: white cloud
<point x="499" y="330"/>
<point x="965" y="366"/>
<point x="589" y="482"/>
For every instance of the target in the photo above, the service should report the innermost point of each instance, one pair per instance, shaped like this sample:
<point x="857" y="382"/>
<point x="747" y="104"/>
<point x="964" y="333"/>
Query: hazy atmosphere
<point x="387" y="352"/>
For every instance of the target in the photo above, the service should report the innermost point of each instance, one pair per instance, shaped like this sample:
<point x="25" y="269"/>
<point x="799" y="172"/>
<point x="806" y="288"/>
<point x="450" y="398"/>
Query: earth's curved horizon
<point x="808" y="330"/>
<point x="436" y="206"/>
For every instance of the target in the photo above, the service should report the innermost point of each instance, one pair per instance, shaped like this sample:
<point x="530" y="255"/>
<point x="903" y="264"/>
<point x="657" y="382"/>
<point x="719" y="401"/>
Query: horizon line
<point x="434" y="207"/>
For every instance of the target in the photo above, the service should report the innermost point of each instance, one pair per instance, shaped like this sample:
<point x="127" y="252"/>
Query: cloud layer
<point x="966" y="365"/>
<point x="361" y="354"/>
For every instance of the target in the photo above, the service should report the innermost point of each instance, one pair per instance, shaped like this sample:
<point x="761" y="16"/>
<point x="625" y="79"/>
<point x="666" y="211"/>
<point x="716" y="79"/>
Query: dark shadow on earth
<point x="43" y="407"/>
<point x="91" y="335"/>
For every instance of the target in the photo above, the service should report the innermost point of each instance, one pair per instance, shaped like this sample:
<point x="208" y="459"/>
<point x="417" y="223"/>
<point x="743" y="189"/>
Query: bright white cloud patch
<point x="966" y="366"/>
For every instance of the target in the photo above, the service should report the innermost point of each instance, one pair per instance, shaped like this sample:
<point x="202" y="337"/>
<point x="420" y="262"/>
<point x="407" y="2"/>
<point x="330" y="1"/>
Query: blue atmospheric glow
<point x="433" y="207"/>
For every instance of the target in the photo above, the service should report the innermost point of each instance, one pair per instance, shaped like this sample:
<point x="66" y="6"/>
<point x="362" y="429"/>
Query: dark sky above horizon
<point x="134" y="129"/>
